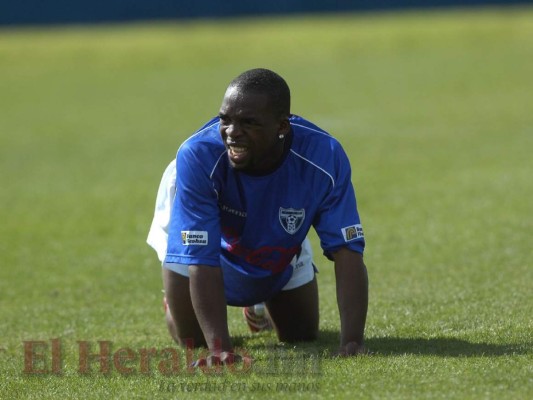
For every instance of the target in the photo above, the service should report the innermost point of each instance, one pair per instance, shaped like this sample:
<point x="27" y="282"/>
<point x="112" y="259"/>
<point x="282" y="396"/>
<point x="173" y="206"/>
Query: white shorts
<point x="303" y="267"/>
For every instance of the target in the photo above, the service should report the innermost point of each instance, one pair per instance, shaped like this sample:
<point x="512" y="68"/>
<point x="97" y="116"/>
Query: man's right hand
<point x="223" y="358"/>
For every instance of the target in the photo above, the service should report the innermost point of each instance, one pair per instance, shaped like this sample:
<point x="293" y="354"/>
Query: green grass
<point x="434" y="110"/>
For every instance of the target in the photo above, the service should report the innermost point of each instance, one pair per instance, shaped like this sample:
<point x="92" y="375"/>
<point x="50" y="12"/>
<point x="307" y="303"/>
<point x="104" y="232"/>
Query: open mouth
<point x="237" y="153"/>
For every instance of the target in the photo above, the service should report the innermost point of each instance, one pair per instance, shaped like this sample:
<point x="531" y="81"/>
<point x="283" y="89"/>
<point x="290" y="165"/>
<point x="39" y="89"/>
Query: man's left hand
<point x="352" y="349"/>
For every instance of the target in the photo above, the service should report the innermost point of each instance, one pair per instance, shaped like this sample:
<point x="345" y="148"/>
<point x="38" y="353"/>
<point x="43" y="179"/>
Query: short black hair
<point x="265" y="81"/>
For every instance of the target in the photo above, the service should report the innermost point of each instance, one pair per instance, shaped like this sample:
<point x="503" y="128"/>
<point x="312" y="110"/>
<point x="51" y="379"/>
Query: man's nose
<point x="233" y="130"/>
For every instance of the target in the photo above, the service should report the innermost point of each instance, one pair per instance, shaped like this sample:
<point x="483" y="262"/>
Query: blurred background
<point x="431" y="100"/>
<point x="85" y="11"/>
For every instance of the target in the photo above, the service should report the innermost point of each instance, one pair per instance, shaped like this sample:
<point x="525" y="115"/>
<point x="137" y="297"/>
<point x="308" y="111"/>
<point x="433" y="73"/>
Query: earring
<point x="282" y="136"/>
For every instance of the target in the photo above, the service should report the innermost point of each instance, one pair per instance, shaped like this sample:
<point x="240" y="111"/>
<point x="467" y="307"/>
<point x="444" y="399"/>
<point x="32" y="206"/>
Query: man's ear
<point x="284" y="126"/>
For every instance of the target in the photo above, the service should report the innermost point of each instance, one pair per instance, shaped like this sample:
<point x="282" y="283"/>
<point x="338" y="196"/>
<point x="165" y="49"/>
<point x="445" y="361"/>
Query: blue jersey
<point x="253" y="226"/>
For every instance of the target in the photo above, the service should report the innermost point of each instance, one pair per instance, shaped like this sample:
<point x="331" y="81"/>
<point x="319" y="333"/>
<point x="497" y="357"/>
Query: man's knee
<point x="295" y="313"/>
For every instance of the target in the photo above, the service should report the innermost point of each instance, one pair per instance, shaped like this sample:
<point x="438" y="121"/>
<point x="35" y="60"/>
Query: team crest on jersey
<point x="291" y="219"/>
<point x="352" y="232"/>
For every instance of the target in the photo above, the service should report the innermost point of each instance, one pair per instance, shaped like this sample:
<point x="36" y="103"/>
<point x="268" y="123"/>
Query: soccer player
<point x="232" y="215"/>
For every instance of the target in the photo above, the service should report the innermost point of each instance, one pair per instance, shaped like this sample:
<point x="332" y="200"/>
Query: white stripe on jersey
<point x="313" y="164"/>
<point x="215" y="167"/>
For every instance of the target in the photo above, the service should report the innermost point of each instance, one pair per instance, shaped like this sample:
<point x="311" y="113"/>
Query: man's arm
<point x="209" y="303"/>
<point x="352" y="299"/>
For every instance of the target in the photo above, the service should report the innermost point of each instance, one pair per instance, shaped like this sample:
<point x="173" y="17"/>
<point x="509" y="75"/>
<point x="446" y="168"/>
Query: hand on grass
<point x="222" y="358"/>
<point x="352" y="349"/>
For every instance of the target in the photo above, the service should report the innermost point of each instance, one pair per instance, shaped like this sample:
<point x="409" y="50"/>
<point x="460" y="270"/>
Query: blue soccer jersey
<point x="253" y="226"/>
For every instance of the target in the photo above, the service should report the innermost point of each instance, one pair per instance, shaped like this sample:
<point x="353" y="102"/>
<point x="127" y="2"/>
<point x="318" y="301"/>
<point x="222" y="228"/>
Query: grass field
<point x="435" y="112"/>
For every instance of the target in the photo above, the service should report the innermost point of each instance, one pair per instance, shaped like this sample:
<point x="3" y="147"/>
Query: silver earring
<point x="282" y="136"/>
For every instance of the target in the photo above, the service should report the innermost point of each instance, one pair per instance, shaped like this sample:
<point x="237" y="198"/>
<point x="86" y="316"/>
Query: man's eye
<point x="224" y="120"/>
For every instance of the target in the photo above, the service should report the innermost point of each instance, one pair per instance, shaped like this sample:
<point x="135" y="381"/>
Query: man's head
<point x="264" y="81"/>
<point x="254" y="120"/>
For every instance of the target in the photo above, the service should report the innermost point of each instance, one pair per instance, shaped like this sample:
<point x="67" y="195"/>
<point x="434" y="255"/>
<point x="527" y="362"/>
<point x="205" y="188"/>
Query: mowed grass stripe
<point x="433" y="110"/>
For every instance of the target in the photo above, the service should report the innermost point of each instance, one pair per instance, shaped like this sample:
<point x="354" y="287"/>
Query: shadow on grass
<point x="448" y="347"/>
<point x="440" y="346"/>
<point x="394" y="346"/>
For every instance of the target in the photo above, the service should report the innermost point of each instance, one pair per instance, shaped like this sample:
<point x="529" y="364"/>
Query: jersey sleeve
<point x="337" y="222"/>
<point x="194" y="228"/>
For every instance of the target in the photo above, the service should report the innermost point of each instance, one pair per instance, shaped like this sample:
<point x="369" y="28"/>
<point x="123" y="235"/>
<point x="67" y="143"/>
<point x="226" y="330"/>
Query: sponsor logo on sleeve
<point x="195" y="238"/>
<point x="352" y="232"/>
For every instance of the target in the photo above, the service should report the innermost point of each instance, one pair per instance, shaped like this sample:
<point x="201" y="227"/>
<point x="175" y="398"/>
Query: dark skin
<point x="293" y="312"/>
<point x="251" y="129"/>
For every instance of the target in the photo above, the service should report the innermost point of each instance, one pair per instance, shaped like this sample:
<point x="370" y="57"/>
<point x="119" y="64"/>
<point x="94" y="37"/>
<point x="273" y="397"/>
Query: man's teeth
<point x="237" y="149"/>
